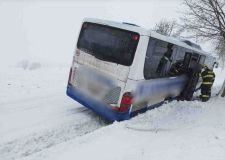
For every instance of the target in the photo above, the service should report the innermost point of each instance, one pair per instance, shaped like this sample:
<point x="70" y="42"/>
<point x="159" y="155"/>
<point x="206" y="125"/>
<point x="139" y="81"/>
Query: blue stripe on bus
<point x="109" y="113"/>
<point x="101" y="109"/>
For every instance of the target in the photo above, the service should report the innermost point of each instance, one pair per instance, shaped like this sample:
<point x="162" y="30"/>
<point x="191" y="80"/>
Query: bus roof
<point x="147" y="32"/>
<point x="126" y="26"/>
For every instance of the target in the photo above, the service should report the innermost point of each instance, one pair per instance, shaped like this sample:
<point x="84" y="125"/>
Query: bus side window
<point x="180" y="53"/>
<point x="157" y="50"/>
<point x="174" y="55"/>
<point x="202" y="60"/>
<point x="194" y="62"/>
<point x="149" y="59"/>
<point x="187" y="59"/>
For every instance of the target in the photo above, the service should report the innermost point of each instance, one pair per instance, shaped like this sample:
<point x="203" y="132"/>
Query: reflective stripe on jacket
<point x="205" y="96"/>
<point x="208" y="77"/>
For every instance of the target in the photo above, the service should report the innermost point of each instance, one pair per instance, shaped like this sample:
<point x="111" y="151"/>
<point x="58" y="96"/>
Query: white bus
<point x="117" y="71"/>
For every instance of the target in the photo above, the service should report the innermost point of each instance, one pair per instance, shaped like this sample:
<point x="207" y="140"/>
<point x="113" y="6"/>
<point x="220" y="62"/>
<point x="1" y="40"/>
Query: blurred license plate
<point x="92" y="83"/>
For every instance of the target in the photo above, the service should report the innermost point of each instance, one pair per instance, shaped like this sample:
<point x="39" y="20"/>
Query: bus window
<point x="194" y="61"/>
<point x="180" y="53"/>
<point x="107" y="43"/>
<point x="202" y="60"/>
<point x="187" y="58"/>
<point x="158" y="58"/>
<point x="165" y="61"/>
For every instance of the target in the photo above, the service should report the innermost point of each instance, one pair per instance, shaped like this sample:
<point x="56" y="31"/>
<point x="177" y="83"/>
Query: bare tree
<point x="220" y="48"/>
<point x="206" y="19"/>
<point x="167" y="28"/>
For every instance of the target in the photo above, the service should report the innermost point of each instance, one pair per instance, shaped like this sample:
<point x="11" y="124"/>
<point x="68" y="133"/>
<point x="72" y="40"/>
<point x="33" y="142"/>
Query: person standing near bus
<point x="164" y="60"/>
<point x="208" y="77"/>
<point x="177" y="69"/>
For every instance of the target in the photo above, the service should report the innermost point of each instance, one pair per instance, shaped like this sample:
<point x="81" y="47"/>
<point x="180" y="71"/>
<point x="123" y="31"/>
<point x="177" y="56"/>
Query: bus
<point x="120" y="69"/>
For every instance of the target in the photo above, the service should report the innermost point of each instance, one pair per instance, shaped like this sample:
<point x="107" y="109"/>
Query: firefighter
<point x="208" y="77"/>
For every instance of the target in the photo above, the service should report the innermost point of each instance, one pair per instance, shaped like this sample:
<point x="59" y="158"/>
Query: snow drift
<point x="38" y="121"/>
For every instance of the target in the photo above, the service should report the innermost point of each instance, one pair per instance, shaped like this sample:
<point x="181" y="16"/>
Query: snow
<point x="38" y="121"/>
<point x="40" y="30"/>
<point x="35" y="112"/>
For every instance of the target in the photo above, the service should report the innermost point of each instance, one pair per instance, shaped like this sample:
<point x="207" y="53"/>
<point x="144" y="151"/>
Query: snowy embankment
<point x="38" y="121"/>
<point x="35" y="112"/>
<point x="177" y="131"/>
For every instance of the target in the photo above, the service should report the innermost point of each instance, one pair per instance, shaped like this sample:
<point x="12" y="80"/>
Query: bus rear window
<point x="108" y="43"/>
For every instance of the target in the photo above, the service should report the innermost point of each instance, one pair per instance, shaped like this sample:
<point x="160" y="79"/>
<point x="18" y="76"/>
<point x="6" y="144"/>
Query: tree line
<point x="203" y="20"/>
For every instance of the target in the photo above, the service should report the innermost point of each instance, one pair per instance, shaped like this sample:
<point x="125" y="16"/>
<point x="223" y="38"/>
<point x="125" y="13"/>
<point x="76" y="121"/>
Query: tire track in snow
<point x="12" y="105"/>
<point x="36" y="142"/>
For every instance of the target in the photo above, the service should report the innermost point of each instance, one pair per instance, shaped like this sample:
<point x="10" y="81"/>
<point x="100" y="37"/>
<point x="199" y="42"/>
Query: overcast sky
<point x="47" y="31"/>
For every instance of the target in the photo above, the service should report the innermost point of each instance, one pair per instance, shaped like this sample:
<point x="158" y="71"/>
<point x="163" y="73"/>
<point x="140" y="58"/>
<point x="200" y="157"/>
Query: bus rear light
<point x="135" y="37"/>
<point x="126" y="103"/>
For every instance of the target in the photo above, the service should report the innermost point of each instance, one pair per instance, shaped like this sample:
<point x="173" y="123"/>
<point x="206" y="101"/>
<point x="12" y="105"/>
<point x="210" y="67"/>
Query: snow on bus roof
<point x="146" y="32"/>
<point x="126" y="26"/>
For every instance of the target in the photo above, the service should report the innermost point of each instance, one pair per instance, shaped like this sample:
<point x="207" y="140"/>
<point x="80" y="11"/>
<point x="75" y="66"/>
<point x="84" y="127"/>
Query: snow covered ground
<point x="38" y="121"/>
<point x="35" y="112"/>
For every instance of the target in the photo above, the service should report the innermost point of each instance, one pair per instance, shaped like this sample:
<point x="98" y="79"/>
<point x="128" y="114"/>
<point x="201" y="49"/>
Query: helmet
<point x="209" y="62"/>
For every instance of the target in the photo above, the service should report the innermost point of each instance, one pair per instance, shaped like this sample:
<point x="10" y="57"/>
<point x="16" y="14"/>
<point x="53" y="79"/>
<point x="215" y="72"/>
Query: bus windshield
<point x="108" y="43"/>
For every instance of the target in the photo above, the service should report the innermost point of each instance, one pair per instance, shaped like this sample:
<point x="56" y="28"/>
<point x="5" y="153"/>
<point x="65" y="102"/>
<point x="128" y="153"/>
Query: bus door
<point x="194" y="68"/>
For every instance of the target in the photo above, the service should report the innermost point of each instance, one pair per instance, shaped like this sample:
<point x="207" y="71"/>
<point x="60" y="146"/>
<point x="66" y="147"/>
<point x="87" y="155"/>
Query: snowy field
<point x="38" y="121"/>
<point x="36" y="114"/>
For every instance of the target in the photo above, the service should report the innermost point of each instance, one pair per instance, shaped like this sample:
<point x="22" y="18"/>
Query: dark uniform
<point x="164" y="60"/>
<point x="208" y="77"/>
<point x="177" y="69"/>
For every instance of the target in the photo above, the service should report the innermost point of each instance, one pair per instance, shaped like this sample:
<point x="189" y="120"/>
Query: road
<point x="36" y="118"/>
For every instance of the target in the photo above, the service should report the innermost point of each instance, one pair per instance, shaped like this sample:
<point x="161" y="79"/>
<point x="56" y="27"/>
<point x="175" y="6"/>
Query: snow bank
<point x="177" y="130"/>
<point x="38" y="121"/>
<point x="36" y="114"/>
<point x="25" y="64"/>
<point x="174" y="131"/>
<point x="34" y="65"/>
